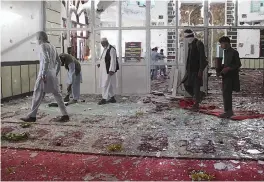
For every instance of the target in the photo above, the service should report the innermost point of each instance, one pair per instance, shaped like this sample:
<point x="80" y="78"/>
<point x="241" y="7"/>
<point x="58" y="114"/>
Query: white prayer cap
<point x="104" y="40"/>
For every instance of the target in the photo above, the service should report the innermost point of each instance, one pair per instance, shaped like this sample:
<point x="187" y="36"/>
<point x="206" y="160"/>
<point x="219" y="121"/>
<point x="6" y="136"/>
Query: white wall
<point x="244" y="8"/>
<point x="159" y="39"/>
<point x="246" y="38"/>
<point x="160" y="8"/>
<point x="25" y="22"/>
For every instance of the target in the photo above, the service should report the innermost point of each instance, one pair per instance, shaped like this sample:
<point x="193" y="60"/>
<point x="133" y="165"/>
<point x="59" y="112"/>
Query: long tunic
<point x="49" y="66"/>
<point x="232" y="60"/>
<point x="74" y="76"/>
<point x="105" y="78"/>
<point x="155" y="57"/>
<point x="196" y="61"/>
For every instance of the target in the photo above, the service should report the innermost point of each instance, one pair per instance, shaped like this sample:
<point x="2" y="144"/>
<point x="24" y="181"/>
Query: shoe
<point x="195" y="108"/>
<point x="67" y="98"/>
<point x="102" y="102"/>
<point x="53" y="104"/>
<point x="227" y="115"/>
<point x="72" y="102"/>
<point x="63" y="118"/>
<point x="29" y="119"/>
<point x="112" y="100"/>
<point x="202" y="95"/>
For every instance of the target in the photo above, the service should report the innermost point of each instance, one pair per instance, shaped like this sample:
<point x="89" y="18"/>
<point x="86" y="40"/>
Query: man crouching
<point x="74" y="78"/>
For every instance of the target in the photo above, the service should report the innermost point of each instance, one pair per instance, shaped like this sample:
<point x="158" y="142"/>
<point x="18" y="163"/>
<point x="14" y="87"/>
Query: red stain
<point x="39" y="133"/>
<point x="70" y="139"/>
<point x="6" y="130"/>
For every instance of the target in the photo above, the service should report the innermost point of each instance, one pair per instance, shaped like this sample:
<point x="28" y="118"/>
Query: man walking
<point x="155" y="57"/>
<point x="74" y="78"/>
<point x="47" y="81"/>
<point x="108" y="68"/>
<point x="230" y="75"/>
<point x="195" y="65"/>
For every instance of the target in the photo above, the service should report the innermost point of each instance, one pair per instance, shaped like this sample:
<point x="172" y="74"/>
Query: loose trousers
<point x="154" y="72"/>
<point x="192" y="86"/>
<point x="38" y="96"/>
<point x="227" y="87"/>
<point x="108" y="91"/>
<point x="74" y="89"/>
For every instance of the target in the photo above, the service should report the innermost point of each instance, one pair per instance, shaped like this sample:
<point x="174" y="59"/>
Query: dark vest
<point x="108" y="60"/>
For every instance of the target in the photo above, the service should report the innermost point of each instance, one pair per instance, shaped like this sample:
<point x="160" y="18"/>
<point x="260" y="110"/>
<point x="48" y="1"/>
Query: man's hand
<point x="44" y="78"/>
<point x="98" y="65"/>
<point x="200" y="74"/>
<point x="225" y="70"/>
<point x="111" y="73"/>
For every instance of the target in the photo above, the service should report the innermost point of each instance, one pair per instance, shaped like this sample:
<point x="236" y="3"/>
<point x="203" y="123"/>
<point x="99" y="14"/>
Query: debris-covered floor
<point x="150" y="125"/>
<point x="137" y="128"/>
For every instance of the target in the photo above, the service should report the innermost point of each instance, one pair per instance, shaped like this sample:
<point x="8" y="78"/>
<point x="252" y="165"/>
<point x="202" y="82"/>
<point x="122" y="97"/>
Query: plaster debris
<point x="254" y="151"/>
<point x="223" y="166"/>
<point x="158" y="154"/>
<point x="235" y="162"/>
<point x="202" y="165"/>
<point x="220" y="166"/>
<point x="241" y="142"/>
<point x="34" y="154"/>
<point x="88" y="177"/>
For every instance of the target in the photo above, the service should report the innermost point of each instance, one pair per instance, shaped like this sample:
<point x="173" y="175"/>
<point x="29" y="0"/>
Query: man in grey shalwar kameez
<point x="47" y="81"/>
<point x="74" y="77"/>
<point x="155" y="57"/>
<point x="196" y="63"/>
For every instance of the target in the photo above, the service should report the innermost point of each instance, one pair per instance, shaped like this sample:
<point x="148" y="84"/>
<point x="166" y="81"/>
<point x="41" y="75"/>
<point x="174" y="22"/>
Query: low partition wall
<point x="18" y="78"/>
<point x="252" y="63"/>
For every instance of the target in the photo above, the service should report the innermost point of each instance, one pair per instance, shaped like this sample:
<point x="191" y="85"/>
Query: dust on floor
<point x="135" y="124"/>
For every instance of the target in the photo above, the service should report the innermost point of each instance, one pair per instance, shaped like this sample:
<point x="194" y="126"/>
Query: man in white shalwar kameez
<point x="108" y="68"/>
<point x="74" y="77"/>
<point x="47" y="81"/>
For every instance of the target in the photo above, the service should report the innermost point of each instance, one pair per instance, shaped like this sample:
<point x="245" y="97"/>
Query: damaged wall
<point x="18" y="28"/>
<point x="248" y="43"/>
<point x="23" y="19"/>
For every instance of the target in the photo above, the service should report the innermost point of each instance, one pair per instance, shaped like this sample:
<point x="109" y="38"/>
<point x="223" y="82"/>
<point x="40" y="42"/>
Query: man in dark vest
<point x="195" y="65"/>
<point x="108" y="68"/>
<point x="74" y="78"/>
<point x="230" y="75"/>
